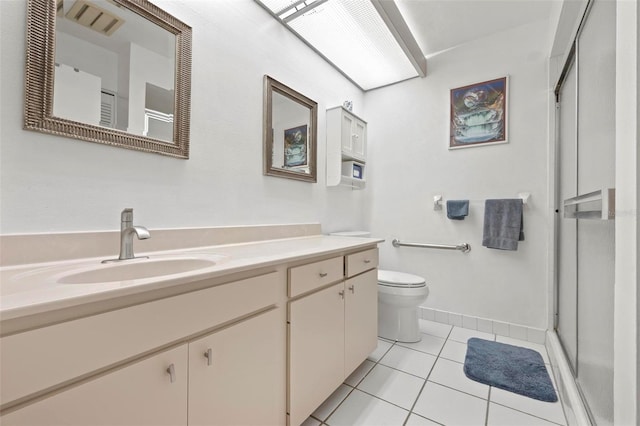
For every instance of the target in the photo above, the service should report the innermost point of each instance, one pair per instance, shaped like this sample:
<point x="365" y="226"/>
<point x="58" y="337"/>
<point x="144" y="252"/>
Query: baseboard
<point x="574" y="409"/>
<point x="516" y="331"/>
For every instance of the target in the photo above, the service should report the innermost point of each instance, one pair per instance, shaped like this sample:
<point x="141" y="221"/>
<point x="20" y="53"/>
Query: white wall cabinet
<point x="346" y="141"/>
<point x="331" y="331"/>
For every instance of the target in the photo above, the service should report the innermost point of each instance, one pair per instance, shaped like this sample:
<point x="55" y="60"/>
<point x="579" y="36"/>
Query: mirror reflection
<point x="114" y="69"/>
<point x="290" y="133"/>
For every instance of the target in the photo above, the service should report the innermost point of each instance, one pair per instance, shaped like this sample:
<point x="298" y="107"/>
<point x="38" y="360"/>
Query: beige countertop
<point x="37" y="288"/>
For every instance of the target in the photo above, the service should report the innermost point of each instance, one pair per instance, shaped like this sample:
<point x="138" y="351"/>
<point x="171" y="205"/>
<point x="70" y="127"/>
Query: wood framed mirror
<point x="116" y="72"/>
<point x="289" y="133"/>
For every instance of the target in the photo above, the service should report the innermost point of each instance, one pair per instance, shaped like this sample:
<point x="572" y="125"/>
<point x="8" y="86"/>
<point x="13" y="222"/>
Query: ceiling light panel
<point x="352" y="35"/>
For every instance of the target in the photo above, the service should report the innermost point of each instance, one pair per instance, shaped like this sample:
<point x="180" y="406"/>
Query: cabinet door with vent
<point x="237" y="375"/>
<point x="150" y="392"/>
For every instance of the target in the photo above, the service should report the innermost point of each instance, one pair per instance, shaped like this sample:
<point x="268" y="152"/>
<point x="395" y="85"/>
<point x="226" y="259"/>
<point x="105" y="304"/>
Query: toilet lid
<point x="399" y="279"/>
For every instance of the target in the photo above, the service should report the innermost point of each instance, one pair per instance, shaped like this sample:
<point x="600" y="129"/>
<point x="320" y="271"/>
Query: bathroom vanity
<point x="256" y="333"/>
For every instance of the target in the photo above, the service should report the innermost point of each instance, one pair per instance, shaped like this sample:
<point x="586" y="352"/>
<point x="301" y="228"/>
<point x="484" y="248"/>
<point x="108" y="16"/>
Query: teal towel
<point x="457" y="209"/>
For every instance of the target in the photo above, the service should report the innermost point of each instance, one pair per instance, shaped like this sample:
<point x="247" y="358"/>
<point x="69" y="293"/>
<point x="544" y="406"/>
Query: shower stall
<point x="585" y="217"/>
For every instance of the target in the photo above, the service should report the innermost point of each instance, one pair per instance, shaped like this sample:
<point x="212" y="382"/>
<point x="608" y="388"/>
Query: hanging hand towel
<point x="457" y="209"/>
<point x="503" y="224"/>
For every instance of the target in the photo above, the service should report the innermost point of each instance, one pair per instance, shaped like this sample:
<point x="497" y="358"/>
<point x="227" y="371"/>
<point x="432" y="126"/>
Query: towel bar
<point x="464" y="247"/>
<point x="594" y="205"/>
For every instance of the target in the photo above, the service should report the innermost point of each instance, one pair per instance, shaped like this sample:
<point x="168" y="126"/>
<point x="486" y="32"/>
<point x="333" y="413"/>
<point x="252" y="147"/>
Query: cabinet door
<point x="347" y="133"/>
<point x="359" y="140"/>
<point x="237" y="375"/>
<point x="316" y="350"/>
<point x="143" y="393"/>
<point x="361" y="319"/>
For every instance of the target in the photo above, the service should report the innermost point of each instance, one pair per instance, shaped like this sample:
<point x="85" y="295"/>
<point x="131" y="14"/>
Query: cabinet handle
<point x="172" y="373"/>
<point x="209" y="356"/>
<point x="367" y="261"/>
<point x="341" y="293"/>
<point x="353" y="290"/>
<point x="323" y="274"/>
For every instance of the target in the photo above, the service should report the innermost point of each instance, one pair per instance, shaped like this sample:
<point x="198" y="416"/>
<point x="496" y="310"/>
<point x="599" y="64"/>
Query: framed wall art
<point x="295" y="147"/>
<point x="478" y="114"/>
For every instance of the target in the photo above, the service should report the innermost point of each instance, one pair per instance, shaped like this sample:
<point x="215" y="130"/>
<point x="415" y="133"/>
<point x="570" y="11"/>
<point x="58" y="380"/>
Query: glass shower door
<point x="585" y="246"/>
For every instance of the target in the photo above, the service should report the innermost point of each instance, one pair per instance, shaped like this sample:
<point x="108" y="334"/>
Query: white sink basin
<point x="137" y="269"/>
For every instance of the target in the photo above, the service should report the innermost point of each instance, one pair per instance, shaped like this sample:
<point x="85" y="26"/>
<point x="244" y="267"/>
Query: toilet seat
<point x="399" y="279"/>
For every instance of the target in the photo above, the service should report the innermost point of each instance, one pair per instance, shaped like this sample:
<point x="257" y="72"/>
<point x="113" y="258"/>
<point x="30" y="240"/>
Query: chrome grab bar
<point x="464" y="247"/>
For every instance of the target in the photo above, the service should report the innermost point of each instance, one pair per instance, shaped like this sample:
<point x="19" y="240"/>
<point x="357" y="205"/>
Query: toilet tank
<point x="362" y="234"/>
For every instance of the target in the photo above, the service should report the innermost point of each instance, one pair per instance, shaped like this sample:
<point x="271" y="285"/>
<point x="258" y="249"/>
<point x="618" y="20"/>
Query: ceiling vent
<point x="91" y="16"/>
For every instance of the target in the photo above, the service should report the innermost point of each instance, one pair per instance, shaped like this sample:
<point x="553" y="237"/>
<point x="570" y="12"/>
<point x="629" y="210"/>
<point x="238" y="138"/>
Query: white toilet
<point x="399" y="298"/>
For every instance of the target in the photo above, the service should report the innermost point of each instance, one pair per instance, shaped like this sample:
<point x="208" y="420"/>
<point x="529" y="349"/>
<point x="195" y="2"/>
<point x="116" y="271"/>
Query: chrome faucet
<point x="127" y="230"/>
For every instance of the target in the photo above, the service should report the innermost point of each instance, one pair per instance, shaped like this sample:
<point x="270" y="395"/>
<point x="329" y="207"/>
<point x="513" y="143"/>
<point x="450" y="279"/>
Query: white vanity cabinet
<point x="360" y="319"/>
<point x="316" y="350"/>
<point x="143" y="393"/>
<point x="115" y="369"/>
<point x="332" y="329"/>
<point x="263" y="345"/>
<point x="346" y="141"/>
<point x="236" y="374"/>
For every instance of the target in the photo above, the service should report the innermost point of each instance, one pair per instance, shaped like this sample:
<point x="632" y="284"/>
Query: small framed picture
<point x="478" y="114"/>
<point x="295" y="147"/>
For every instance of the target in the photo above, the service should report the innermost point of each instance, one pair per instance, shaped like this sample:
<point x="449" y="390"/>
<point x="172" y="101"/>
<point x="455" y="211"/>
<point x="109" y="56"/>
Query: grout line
<point x="532" y="415"/>
<point x="357" y="384"/>
<point x="486" y="414"/>
<point x="438" y="356"/>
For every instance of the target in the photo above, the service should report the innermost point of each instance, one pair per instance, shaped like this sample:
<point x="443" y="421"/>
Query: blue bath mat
<point x="508" y="367"/>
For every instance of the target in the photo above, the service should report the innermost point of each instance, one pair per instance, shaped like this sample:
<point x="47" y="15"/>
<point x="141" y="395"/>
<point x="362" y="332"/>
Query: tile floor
<point x="424" y="384"/>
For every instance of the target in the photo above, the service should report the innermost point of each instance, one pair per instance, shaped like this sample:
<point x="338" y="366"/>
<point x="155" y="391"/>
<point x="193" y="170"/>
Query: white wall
<point x="89" y="58"/>
<point x="409" y="162"/>
<point x="145" y="67"/>
<point x="50" y="183"/>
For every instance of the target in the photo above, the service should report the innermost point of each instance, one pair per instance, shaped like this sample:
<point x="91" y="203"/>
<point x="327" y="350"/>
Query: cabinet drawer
<point x="361" y="261"/>
<point x="37" y="360"/>
<point x="314" y="275"/>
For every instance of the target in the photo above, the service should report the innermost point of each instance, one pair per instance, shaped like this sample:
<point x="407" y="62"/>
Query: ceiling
<point x="438" y="25"/>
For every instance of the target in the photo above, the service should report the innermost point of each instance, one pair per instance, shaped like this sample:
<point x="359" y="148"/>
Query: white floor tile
<point x="455" y="351"/>
<point x="366" y="410"/>
<point x="330" y="404"/>
<point x="450" y="407"/>
<point x="429" y="344"/>
<point x="381" y="349"/>
<point x="551" y="411"/>
<point x="359" y="373"/>
<point x="503" y="416"/>
<point x="416" y="420"/>
<point x="523" y="343"/>
<point x="435" y="328"/>
<point x="310" y="422"/>
<point x="393" y="386"/>
<point x="463" y="334"/>
<point x="451" y="374"/>
<point x="408" y="360"/>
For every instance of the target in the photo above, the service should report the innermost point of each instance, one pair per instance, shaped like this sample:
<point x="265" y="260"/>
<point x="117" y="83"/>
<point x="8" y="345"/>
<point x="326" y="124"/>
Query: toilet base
<point x="398" y="323"/>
